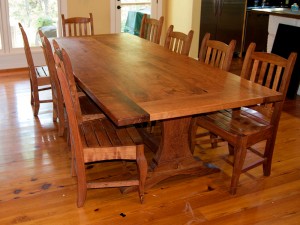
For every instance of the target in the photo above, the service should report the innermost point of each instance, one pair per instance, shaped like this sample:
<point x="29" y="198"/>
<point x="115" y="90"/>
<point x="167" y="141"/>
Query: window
<point x="143" y="6"/>
<point x="33" y="15"/>
<point x="120" y="10"/>
<point x="1" y="38"/>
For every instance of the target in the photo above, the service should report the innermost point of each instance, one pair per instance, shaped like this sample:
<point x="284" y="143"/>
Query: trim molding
<point x="16" y="57"/>
<point x="13" y="72"/>
<point x="18" y="60"/>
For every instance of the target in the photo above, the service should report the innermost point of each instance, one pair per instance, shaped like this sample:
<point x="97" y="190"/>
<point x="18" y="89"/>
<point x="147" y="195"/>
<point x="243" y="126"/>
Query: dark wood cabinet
<point x="256" y="30"/>
<point x="224" y="20"/>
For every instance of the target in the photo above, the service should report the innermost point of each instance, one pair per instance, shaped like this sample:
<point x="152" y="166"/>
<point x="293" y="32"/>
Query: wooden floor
<point x="36" y="186"/>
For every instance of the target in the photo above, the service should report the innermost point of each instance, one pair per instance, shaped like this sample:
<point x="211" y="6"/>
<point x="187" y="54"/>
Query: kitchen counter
<point x="283" y="12"/>
<point x="278" y="16"/>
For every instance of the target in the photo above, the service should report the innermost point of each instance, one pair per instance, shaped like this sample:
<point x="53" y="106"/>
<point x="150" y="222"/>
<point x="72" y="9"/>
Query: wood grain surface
<point x="134" y="80"/>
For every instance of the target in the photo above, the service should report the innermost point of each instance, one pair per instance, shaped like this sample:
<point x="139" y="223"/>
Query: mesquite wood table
<point x="134" y="81"/>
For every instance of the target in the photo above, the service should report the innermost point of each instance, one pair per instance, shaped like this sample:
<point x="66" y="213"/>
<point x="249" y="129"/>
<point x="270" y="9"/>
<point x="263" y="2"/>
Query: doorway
<point x="126" y="14"/>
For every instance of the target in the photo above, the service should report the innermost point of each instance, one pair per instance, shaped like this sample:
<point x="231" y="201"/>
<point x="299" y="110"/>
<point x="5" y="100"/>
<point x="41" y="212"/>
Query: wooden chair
<point x="77" y="26"/>
<point x="97" y="140"/>
<point x="151" y="28"/>
<point x="216" y="54"/>
<point x="244" y="127"/>
<point x="88" y="109"/>
<point x="58" y="105"/>
<point x="39" y="76"/>
<point x="178" y="42"/>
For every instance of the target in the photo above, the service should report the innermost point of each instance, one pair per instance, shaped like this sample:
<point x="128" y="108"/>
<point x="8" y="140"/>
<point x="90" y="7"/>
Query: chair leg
<point x="239" y="159"/>
<point x="55" y="110"/>
<point x="61" y="129"/>
<point x="61" y="123"/>
<point x="230" y="149"/>
<point x="73" y="163"/>
<point x="268" y="155"/>
<point x="31" y="97"/>
<point x="192" y="134"/>
<point x="36" y="108"/>
<point x="81" y="185"/>
<point x="142" y="170"/>
<point x="36" y="101"/>
<point x="214" y="140"/>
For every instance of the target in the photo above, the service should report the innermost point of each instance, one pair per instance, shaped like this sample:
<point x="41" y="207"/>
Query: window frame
<point x="14" y="57"/>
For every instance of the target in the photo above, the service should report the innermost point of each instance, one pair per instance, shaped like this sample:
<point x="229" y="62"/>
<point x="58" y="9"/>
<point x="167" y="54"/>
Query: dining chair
<point x="244" y="127"/>
<point x="216" y="54"/>
<point x="88" y="109"/>
<point x="39" y="76"/>
<point x="58" y="105"/>
<point x="178" y="42"/>
<point x="77" y="26"/>
<point x="151" y="28"/>
<point x="97" y="140"/>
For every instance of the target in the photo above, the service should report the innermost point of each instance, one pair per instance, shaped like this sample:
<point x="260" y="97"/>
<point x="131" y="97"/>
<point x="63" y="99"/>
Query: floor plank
<point x="36" y="186"/>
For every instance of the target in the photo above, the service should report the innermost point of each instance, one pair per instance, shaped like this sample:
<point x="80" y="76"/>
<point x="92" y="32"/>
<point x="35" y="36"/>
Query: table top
<point x="134" y="80"/>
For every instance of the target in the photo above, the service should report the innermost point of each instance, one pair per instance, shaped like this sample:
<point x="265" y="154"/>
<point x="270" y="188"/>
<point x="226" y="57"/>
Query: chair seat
<point x="111" y="135"/>
<point x="235" y="122"/>
<point x="42" y="76"/>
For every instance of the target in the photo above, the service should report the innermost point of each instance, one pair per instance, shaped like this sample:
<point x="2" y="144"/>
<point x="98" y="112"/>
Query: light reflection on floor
<point x="18" y="123"/>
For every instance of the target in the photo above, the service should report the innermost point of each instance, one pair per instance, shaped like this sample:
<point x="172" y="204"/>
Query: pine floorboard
<point x="36" y="186"/>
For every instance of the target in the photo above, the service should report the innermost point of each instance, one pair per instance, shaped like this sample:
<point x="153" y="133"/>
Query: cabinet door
<point x="231" y="21"/>
<point x="256" y="31"/>
<point x="208" y="22"/>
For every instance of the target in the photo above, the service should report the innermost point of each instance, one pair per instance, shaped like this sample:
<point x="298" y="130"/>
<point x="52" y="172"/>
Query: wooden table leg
<point x="173" y="156"/>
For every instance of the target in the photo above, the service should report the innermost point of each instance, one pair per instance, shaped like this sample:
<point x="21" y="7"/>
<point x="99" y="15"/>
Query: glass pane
<point x="131" y="14"/>
<point x="1" y="47"/>
<point x="0" y="41"/>
<point x="33" y="15"/>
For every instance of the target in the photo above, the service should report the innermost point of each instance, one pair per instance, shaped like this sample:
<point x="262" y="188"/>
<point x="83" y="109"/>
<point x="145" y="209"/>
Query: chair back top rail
<point x="216" y="53"/>
<point x="268" y="69"/>
<point x="27" y="50"/>
<point x="151" y="28"/>
<point x="179" y="42"/>
<point x="77" y="26"/>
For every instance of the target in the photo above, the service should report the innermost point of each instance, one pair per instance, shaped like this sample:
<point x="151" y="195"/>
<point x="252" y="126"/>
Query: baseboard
<point x="13" y="72"/>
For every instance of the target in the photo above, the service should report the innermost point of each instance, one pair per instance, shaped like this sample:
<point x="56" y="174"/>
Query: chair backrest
<point x="151" y="28"/>
<point x="77" y="26"/>
<point x="48" y="53"/>
<point x="47" y="50"/>
<point x="63" y="66"/>
<point x="178" y="42"/>
<point x="68" y="70"/>
<point x="268" y="69"/>
<point x="216" y="53"/>
<point x="29" y="58"/>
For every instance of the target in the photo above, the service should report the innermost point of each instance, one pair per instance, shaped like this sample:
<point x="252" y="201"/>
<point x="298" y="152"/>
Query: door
<point x="126" y="14"/>
<point x="209" y="15"/>
<point x="231" y="22"/>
